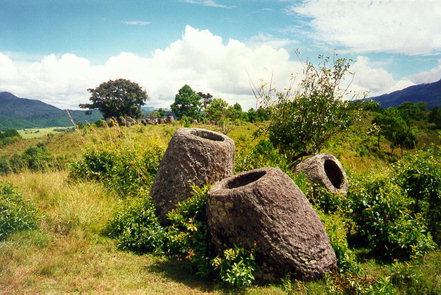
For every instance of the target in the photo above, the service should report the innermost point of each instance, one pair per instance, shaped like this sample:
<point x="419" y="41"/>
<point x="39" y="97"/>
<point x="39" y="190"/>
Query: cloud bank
<point x="200" y="59"/>
<point x="396" y="26"/>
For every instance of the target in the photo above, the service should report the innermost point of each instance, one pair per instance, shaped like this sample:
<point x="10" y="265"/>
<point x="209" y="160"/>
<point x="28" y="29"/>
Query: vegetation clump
<point x="9" y="136"/>
<point x="302" y="121"/>
<point x="34" y="158"/>
<point x="16" y="214"/>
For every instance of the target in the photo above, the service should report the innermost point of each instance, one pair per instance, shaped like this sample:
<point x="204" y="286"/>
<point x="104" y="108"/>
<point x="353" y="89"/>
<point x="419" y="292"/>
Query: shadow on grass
<point x="180" y="271"/>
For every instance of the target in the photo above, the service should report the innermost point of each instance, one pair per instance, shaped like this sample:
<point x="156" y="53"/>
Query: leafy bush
<point x="236" y="267"/>
<point x="9" y="136"/>
<point x="136" y="227"/>
<point x="336" y="227"/>
<point x="188" y="236"/>
<point x="125" y="171"/>
<point x="35" y="158"/>
<point x="16" y="214"/>
<point x="381" y="211"/>
<point x="420" y="177"/>
<point x="261" y="155"/>
<point x="5" y="166"/>
<point x="302" y="121"/>
<point x="353" y="284"/>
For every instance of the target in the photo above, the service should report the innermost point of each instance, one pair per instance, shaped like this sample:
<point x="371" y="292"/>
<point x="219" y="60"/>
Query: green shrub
<point x="136" y="227"/>
<point x="5" y="166"/>
<point x="9" y="136"/>
<point x="326" y="200"/>
<point x="95" y="165"/>
<point x="188" y="236"/>
<point x="126" y="171"/>
<point x="380" y="208"/>
<point x="16" y="214"/>
<point x="353" y="284"/>
<point x="264" y="154"/>
<point x="236" y="267"/>
<point x="336" y="227"/>
<point x="37" y="158"/>
<point x="420" y="177"/>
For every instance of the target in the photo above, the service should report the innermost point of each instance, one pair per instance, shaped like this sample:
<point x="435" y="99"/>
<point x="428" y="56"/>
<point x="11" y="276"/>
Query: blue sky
<point x="54" y="50"/>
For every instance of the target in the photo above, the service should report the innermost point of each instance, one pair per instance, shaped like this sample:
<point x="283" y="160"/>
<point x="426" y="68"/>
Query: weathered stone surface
<point x="194" y="157"/>
<point x="325" y="170"/>
<point x="264" y="209"/>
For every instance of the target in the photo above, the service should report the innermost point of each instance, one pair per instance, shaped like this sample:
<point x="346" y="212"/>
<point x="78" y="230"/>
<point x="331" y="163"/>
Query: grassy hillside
<point x="21" y="113"/>
<point x="71" y="253"/>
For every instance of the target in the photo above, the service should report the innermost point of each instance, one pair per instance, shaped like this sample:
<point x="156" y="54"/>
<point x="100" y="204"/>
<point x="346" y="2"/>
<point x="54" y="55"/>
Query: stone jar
<point x="325" y="170"/>
<point x="264" y="209"/>
<point x="194" y="157"/>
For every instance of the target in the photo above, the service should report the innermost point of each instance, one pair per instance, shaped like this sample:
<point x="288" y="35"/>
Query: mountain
<point x="429" y="93"/>
<point x="20" y="113"/>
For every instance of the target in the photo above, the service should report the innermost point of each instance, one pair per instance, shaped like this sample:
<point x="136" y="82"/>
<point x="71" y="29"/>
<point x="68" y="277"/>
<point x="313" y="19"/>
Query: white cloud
<point x="200" y="59"/>
<point x="209" y="3"/>
<point x="373" y="79"/>
<point x="272" y="41"/>
<point x="135" y="22"/>
<point x="397" y="26"/>
<point x="430" y="76"/>
<point x="206" y="62"/>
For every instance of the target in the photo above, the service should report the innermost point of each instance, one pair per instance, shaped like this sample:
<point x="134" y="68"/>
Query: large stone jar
<point x="325" y="170"/>
<point x="264" y="209"/>
<point x="194" y="157"/>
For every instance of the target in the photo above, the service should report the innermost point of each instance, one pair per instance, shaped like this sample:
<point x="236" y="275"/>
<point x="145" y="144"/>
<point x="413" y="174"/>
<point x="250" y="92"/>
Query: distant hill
<point x="429" y="93"/>
<point x="20" y="113"/>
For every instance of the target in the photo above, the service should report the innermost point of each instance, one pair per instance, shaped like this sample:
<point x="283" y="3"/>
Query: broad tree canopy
<point x="117" y="98"/>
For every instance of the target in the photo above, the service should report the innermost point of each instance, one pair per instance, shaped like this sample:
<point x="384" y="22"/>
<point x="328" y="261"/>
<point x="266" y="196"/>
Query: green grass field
<point x="38" y="132"/>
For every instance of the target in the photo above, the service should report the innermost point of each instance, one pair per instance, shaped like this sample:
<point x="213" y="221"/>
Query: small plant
<point x="336" y="228"/>
<point x="353" y="284"/>
<point x="188" y="236"/>
<point x="236" y="267"/>
<point x="16" y="214"/>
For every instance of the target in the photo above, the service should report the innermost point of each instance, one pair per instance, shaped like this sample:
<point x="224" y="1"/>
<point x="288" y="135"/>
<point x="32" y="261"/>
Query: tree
<point x="302" y="121"/>
<point x="395" y="129"/>
<point x="413" y="111"/>
<point x="118" y="98"/>
<point x="187" y="103"/>
<point x="206" y="99"/>
<point x="435" y="117"/>
<point x="261" y="115"/>
<point x="158" y="114"/>
<point x="217" y="110"/>
<point x="235" y="113"/>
